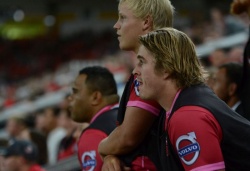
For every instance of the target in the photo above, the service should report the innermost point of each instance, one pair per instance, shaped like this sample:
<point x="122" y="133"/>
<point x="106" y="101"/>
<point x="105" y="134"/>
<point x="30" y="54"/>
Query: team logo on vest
<point x="188" y="148"/>
<point x="136" y="87"/>
<point x="89" y="161"/>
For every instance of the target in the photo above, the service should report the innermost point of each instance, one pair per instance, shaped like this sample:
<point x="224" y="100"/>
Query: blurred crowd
<point x="24" y="62"/>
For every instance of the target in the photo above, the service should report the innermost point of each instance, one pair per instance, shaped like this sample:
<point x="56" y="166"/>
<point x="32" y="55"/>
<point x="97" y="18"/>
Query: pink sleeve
<point x="196" y="136"/>
<point x="136" y="101"/>
<point x="88" y="149"/>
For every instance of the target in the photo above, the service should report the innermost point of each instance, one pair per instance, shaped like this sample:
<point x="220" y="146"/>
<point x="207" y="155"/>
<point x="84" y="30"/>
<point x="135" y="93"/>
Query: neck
<point x="232" y="101"/>
<point x="167" y="96"/>
<point x="106" y="101"/>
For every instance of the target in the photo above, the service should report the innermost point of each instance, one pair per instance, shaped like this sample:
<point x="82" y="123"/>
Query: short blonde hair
<point x="161" y="11"/>
<point x="175" y="53"/>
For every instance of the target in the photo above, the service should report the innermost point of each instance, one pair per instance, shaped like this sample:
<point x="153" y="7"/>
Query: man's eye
<point x="74" y="91"/>
<point x="140" y="62"/>
<point x="121" y="17"/>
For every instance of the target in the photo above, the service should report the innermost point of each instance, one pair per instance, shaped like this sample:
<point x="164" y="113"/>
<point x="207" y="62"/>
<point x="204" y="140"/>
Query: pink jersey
<point x="89" y="140"/>
<point x="136" y="101"/>
<point x="88" y="150"/>
<point x="196" y="135"/>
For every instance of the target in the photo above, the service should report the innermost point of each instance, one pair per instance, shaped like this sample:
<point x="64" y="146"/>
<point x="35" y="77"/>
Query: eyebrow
<point x="140" y="57"/>
<point x="74" y="89"/>
<point x="73" y="85"/>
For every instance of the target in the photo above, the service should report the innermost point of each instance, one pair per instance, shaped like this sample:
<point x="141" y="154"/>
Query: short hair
<point x="234" y="74"/>
<point x="20" y="120"/>
<point x="161" y="11"/>
<point x="54" y="108"/>
<point x="175" y="53"/>
<point x="100" y="79"/>
<point x="39" y="139"/>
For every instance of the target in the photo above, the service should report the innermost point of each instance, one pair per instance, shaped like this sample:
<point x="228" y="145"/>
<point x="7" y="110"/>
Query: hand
<point x="113" y="163"/>
<point x="100" y="147"/>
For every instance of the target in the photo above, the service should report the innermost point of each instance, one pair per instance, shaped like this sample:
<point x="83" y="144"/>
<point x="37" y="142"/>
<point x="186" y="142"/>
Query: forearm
<point x="126" y="137"/>
<point x="117" y="144"/>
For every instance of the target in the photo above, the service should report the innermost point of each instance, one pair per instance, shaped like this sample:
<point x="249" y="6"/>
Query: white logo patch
<point x="192" y="147"/>
<point x="89" y="161"/>
<point x="136" y="87"/>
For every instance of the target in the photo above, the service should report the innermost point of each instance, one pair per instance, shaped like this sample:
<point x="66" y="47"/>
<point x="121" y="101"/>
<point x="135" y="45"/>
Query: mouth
<point x="140" y="82"/>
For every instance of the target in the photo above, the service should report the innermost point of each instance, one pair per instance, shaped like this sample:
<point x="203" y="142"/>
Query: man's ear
<point x="166" y="75"/>
<point x="96" y="98"/>
<point x="148" y="23"/>
<point x="232" y="89"/>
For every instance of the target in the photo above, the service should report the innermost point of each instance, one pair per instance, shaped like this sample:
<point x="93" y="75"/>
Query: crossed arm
<point x="127" y="136"/>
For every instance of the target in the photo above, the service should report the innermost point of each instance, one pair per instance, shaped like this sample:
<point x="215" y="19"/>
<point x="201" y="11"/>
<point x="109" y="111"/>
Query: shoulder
<point x="192" y="112"/>
<point x="92" y="132"/>
<point x="193" y="118"/>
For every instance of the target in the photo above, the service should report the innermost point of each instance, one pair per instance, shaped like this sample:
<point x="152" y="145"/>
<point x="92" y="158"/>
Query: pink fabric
<point x="145" y="106"/>
<point x="169" y="112"/>
<point x="101" y="111"/>
<point x="215" y="166"/>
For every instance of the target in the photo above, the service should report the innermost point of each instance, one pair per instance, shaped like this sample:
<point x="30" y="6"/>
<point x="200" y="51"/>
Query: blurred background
<point x="44" y="43"/>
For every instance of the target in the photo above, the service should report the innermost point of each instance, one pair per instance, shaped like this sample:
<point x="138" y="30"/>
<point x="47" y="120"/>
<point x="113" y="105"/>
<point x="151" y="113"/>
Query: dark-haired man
<point x="228" y="85"/>
<point x="95" y="100"/>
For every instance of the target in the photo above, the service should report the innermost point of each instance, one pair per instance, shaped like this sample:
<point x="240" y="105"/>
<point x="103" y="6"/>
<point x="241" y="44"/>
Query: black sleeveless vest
<point x="235" y="144"/>
<point x="106" y="122"/>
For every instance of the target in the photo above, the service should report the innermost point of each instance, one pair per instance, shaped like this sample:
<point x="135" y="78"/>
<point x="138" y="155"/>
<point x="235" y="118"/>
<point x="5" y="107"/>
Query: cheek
<point x="219" y="89"/>
<point x="148" y="76"/>
<point x="131" y="31"/>
<point x="77" y="100"/>
<point x="215" y="87"/>
<point x="80" y="106"/>
<point x="76" y="105"/>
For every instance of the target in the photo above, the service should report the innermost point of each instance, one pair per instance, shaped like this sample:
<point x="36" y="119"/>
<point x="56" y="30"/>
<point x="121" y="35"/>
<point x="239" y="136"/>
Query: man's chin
<point x="143" y="97"/>
<point x="125" y="48"/>
<point x="75" y="118"/>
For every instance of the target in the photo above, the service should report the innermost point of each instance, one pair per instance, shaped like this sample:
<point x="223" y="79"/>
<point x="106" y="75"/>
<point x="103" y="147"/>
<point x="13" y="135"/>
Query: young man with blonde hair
<point x="202" y="132"/>
<point x="136" y="117"/>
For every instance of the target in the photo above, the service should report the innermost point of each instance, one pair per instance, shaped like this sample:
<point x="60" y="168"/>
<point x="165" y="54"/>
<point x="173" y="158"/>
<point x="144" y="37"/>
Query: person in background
<point x="239" y="7"/>
<point x="194" y="113"/>
<point x="132" y="140"/>
<point x="67" y="146"/>
<point x="3" y="145"/>
<point x="21" y="155"/>
<point x="218" y="57"/>
<point x="15" y="125"/>
<point x="39" y="139"/>
<point x="54" y="132"/>
<point x="227" y="85"/>
<point x="40" y="121"/>
<point x="94" y="99"/>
